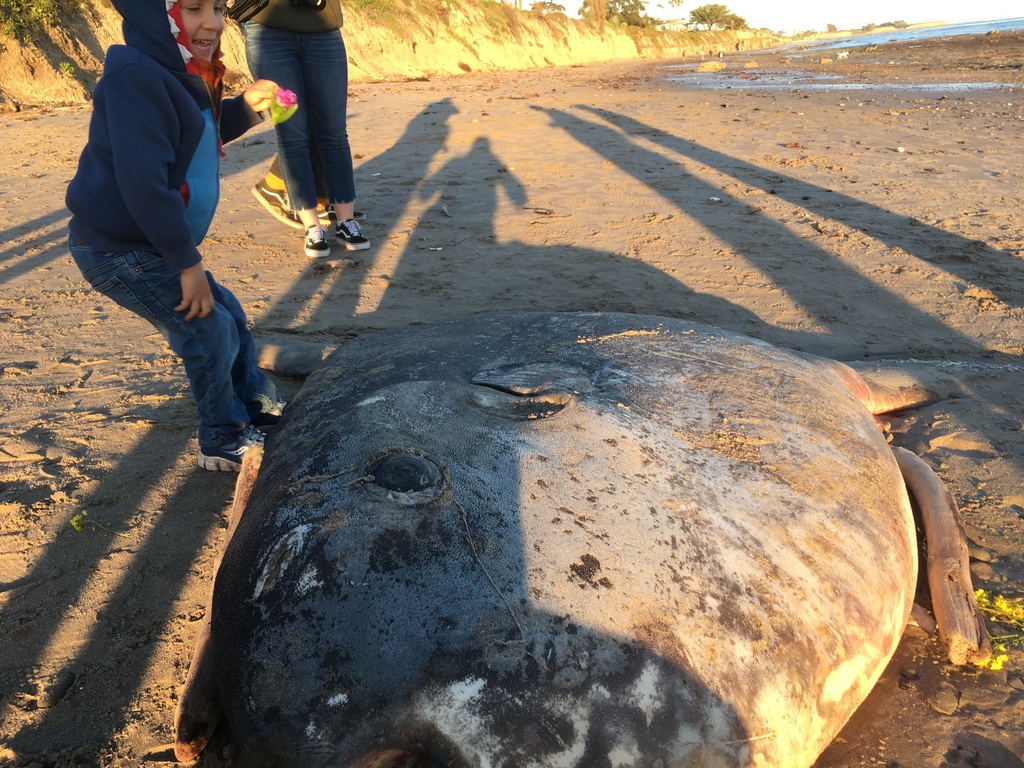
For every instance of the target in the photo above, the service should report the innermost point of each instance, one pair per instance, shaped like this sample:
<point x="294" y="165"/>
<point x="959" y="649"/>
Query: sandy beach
<point x="877" y="219"/>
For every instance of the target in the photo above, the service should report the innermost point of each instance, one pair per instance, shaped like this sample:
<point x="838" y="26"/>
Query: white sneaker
<point x="316" y="244"/>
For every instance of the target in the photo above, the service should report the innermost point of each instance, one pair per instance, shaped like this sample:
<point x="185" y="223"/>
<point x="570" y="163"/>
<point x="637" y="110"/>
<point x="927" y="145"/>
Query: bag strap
<point x="243" y="10"/>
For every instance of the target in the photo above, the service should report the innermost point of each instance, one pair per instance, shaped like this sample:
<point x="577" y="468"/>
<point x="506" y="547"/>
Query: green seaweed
<point x="79" y="523"/>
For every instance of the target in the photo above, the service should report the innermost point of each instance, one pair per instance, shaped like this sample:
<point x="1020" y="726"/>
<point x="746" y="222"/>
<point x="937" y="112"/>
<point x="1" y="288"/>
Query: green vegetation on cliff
<point x="21" y="19"/>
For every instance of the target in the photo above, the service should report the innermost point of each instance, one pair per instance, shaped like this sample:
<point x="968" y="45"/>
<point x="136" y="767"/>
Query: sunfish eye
<point x="406" y="478"/>
<point x="404" y="472"/>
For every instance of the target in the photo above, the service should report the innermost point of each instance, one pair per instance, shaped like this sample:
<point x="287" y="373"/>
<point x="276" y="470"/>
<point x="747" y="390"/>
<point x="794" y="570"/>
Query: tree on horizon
<point x="547" y="6"/>
<point x="629" y="12"/>
<point x="716" y="16"/>
<point x="596" y="10"/>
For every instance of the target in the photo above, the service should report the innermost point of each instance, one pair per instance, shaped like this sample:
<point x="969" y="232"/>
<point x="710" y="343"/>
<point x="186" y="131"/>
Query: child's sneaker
<point x="228" y="457"/>
<point x="270" y="417"/>
<point x="316" y="244"/>
<point x="349" y="233"/>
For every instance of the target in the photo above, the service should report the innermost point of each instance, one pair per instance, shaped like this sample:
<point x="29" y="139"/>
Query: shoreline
<point x="961" y="60"/>
<point x="885" y="29"/>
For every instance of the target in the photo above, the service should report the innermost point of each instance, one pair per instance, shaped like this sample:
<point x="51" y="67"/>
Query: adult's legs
<point x="276" y="54"/>
<point x="275" y="176"/>
<point x="325" y="69"/>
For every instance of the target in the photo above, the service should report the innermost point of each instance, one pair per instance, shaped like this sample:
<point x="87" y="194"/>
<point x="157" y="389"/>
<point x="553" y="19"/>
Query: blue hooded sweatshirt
<point x="154" y="134"/>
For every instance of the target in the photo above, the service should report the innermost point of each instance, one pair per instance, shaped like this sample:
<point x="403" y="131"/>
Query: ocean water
<point x="686" y="75"/>
<point x="902" y="35"/>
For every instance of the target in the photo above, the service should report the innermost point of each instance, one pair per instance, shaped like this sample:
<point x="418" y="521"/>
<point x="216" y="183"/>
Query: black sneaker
<point x="316" y="244"/>
<point x="228" y="457"/>
<point x="277" y="204"/>
<point x="349" y="233"/>
<point x="328" y="216"/>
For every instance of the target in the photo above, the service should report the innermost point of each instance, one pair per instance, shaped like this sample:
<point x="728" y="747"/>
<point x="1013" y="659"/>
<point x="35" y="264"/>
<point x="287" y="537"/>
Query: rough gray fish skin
<point x="532" y="540"/>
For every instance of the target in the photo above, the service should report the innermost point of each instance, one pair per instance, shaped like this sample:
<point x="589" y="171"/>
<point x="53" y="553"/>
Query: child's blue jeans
<point x="218" y="351"/>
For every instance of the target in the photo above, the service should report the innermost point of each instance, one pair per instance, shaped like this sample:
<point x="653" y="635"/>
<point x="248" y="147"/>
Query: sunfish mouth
<point x="536" y="390"/>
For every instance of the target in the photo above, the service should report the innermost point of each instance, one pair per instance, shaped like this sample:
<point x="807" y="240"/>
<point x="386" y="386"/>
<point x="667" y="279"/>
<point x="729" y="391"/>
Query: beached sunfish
<point x="559" y="540"/>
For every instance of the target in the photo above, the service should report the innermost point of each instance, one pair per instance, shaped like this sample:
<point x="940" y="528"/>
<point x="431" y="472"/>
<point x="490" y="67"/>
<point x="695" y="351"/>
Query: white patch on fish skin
<point x="455" y="711"/>
<point x="279" y="558"/>
<point x="308" y="581"/>
<point x="847" y="675"/>
<point x="622" y="758"/>
<point x="598" y="691"/>
<point x="371" y="400"/>
<point x="646" y="694"/>
<point x="316" y="734"/>
<point x="467" y="690"/>
<point x="458" y="712"/>
<point x="689" y="733"/>
<point x="719" y="722"/>
<point x="336" y="699"/>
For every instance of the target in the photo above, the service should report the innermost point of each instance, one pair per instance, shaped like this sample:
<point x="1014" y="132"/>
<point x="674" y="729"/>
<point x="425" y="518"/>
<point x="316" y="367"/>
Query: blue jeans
<point x="315" y="66"/>
<point x="218" y="351"/>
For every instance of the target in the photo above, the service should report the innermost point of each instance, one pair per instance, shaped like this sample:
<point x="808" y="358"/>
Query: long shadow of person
<point x="425" y="136"/>
<point x="51" y="649"/>
<point x="970" y="260"/>
<point x="813" y="278"/>
<point x="458" y="235"/>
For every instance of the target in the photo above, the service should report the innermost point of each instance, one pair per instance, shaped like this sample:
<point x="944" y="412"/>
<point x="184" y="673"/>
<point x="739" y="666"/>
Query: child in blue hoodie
<point x="143" y="198"/>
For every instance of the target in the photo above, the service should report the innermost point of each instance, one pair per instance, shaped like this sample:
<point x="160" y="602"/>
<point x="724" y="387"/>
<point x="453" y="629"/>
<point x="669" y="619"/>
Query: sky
<point x="800" y="15"/>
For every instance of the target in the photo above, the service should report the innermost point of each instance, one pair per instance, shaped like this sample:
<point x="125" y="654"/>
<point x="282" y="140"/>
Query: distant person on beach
<point x="298" y="43"/>
<point x="144" y="196"/>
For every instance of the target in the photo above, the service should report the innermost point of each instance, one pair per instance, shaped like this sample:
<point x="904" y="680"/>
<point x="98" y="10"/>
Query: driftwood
<point x="961" y="625"/>
<point x="194" y="724"/>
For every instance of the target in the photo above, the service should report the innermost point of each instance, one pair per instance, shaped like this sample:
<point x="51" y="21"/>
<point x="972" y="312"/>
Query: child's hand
<point x="260" y="94"/>
<point x="196" y="296"/>
<point x="283" y="106"/>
